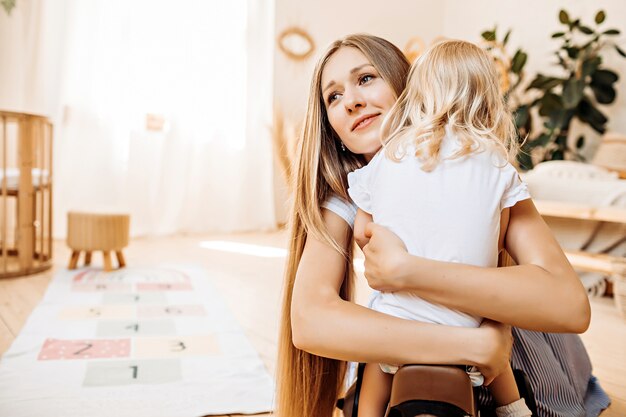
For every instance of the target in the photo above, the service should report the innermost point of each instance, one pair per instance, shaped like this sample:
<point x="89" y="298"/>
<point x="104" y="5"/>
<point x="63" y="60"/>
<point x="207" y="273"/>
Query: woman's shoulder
<point x="345" y="209"/>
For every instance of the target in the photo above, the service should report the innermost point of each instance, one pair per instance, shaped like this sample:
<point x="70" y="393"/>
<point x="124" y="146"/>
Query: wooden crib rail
<point x="26" y="202"/>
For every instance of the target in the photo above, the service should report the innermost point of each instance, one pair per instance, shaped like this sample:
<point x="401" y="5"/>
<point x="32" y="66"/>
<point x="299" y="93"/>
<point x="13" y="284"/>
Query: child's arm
<point x="361" y="220"/>
<point x="504" y="391"/>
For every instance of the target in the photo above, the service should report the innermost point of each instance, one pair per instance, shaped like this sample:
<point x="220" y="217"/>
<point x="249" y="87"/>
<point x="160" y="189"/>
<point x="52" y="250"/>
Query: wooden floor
<point x="251" y="287"/>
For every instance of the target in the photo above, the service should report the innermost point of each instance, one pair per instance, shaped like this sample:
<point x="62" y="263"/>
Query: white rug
<point x="137" y="342"/>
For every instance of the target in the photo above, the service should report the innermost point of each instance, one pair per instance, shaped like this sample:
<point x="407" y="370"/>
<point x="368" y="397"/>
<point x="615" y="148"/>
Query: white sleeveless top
<point x="450" y="214"/>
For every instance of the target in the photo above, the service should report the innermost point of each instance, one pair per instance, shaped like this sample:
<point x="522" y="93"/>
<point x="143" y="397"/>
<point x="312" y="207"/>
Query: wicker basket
<point x="89" y="232"/>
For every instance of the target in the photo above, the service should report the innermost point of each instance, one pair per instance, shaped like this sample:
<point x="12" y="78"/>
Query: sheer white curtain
<point x="206" y="67"/>
<point x="30" y="52"/>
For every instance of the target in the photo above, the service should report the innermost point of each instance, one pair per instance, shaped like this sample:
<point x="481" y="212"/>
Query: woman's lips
<point x="365" y="122"/>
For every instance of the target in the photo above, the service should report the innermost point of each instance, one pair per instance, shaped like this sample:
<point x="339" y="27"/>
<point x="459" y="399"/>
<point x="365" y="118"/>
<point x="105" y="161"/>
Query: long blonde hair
<point x="309" y="385"/>
<point x="454" y="84"/>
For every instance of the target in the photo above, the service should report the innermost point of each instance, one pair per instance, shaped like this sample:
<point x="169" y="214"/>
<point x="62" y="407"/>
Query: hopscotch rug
<point x="140" y="342"/>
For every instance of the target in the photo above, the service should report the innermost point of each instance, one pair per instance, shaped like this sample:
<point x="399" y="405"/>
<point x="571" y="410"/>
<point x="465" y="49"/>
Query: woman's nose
<point x="353" y="100"/>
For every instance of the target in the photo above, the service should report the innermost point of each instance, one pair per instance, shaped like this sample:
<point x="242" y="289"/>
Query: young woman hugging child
<point x="442" y="182"/>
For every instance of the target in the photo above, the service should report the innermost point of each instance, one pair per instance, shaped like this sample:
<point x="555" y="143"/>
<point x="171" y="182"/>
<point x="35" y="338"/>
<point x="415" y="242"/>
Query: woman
<point x="353" y="87"/>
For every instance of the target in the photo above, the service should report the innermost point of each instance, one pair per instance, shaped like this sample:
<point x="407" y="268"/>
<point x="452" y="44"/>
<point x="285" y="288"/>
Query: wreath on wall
<point x="296" y="43"/>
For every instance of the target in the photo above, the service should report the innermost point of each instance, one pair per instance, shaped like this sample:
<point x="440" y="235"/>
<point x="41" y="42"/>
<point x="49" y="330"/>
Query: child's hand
<point x="495" y="352"/>
<point x="360" y="222"/>
<point x="385" y="258"/>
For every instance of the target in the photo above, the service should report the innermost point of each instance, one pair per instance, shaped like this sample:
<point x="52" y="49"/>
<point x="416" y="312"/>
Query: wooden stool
<point x="90" y="232"/>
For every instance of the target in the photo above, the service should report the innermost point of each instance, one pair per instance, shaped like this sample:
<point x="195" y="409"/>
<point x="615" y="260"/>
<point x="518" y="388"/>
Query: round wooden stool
<point x="90" y="232"/>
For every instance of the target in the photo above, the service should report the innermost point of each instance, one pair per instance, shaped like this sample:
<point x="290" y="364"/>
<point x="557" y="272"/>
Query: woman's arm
<point x="326" y="325"/>
<point x="541" y="293"/>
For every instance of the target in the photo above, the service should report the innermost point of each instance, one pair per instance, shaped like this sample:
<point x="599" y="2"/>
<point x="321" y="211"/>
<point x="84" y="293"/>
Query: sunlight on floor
<point x="258" y="250"/>
<point x="244" y="248"/>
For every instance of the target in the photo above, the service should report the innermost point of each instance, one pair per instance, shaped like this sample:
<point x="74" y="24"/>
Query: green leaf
<point x="572" y="92"/>
<point x="551" y="83"/>
<point x="489" y="35"/>
<point x="605" y="94"/>
<point x="600" y="16"/>
<point x="521" y="116"/>
<point x="557" y="155"/>
<point x="580" y="142"/>
<point x="586" y="30"/>
<point x="549" y="104"/>
<point x="604" y="77"/>
<point x="537" y="82"/>
<point x="542" y="140"/>
<point x="557" y="34"/>
<point x="591" y="65"/>
<point x="541" y="82"/>
<point x="506" y="38"/>
<point x="519" y="60"/>
<point x="523" y="119"/>
<point x="589" y="114"/>
<point x="620" y="51"/>
<point x="524" y="160"/>
<point x="564" y="17"/>
<point x="611" y="32"/>
<point x="572" y="51"/>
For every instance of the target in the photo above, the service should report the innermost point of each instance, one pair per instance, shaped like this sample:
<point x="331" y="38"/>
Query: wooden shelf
<point x="581" y="211"/>
<point x="594" y="262"/>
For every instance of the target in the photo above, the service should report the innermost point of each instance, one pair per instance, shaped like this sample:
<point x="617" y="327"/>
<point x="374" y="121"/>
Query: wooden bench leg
<point x="74" y="259"/>
<point x="108" y="266"/>
<point x="120" y="258"/>
<point x="87" y="258"/>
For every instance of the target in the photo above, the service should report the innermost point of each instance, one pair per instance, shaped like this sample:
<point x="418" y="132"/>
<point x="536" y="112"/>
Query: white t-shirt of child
<point x="450" y="214"/>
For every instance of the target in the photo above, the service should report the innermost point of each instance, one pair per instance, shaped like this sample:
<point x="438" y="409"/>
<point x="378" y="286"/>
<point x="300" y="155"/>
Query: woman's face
<point x="357" y="100"/>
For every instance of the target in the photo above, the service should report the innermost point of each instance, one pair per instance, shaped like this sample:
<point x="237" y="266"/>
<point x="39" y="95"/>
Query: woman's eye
<point x="332" y="97"/>
<point x="366" y="78"/>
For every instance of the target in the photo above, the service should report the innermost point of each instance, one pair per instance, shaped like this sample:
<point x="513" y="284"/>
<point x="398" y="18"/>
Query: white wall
<point x="532" y="22"/>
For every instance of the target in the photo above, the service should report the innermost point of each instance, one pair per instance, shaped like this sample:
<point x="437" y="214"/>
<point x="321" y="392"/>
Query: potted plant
<point x="575" y="94"/>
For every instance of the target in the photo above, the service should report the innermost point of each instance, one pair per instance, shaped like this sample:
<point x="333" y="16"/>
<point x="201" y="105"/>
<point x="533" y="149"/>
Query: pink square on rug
<point x="57" y="349"/>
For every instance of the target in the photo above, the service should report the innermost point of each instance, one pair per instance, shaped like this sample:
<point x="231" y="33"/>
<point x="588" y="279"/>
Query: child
<point x="442" y="183"/>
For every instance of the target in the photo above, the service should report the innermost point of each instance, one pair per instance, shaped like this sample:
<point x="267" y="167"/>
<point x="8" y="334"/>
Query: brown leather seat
<point x="420" y="389"/>
<point x="423" y="389"/>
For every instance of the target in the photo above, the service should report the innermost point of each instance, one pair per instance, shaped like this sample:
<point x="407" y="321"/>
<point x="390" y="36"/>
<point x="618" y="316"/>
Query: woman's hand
<point x="495" y="355"/>
<point x="385" y="258"/>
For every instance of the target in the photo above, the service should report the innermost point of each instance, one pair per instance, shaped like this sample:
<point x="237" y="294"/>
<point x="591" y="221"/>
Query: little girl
<point x="442" y="183"/>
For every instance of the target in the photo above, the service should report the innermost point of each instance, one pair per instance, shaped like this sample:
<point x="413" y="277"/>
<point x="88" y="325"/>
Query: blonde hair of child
<point x="453" y="84"/>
